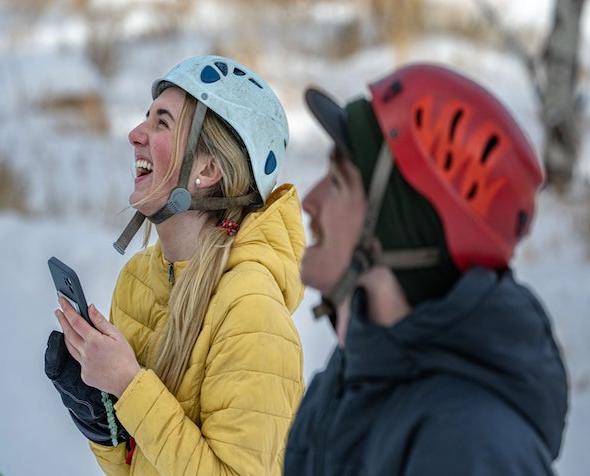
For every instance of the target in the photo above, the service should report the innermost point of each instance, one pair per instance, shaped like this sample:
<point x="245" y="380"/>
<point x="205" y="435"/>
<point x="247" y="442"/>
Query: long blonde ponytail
<point x="192" y="291"/>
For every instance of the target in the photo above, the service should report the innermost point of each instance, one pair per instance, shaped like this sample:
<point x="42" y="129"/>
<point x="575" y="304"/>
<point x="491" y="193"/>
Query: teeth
<point x="143" y="164"/>
<point x="315" y="235"/>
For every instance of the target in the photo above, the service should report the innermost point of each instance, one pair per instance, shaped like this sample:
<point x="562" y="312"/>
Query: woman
<point x="202" y="353"/>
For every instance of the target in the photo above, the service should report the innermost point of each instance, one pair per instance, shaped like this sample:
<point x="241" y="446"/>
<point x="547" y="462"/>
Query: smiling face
<point x="336" y="206"/>
<point x="153" y="141"/>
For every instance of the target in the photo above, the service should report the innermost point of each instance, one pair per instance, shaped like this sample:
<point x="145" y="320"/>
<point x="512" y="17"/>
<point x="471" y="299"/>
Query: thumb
<point x="100" y="322"/>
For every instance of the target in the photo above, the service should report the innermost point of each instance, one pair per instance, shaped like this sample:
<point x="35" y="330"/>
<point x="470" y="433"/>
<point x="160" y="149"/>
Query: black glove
<point x="84" y="402"/>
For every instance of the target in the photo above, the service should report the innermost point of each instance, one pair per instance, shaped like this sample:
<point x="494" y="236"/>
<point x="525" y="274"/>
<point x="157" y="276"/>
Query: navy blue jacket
<point x="472" y="384"/>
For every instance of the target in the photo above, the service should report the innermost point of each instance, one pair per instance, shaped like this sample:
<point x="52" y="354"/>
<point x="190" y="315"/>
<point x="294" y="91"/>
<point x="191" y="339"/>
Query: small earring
<point x="198" y="181"/>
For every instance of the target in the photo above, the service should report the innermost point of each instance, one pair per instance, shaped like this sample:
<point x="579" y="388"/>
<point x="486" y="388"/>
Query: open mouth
<point x="316" y="234"/>
<point x="142" y="168"/>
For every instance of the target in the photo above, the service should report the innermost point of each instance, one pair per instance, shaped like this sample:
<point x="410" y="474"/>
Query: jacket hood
<point x="274" y="238"/>
<point x="489" y="330"/>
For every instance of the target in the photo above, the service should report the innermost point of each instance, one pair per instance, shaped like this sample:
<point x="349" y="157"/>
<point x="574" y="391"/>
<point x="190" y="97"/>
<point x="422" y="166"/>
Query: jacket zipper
<point x="171" y="273"/>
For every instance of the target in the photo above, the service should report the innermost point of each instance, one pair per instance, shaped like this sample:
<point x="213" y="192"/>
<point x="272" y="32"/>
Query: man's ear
<point x="207" y="171"/>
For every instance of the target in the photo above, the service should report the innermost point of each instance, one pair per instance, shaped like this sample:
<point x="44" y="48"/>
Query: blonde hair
<point x="190" y="296"/>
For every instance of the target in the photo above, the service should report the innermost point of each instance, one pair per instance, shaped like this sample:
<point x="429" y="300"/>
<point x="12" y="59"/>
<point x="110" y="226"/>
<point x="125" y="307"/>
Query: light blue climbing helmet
<point x="244" y="101"/>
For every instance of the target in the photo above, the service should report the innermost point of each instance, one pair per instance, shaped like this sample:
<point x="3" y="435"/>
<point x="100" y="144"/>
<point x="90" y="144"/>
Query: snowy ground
<point x="87" y="177"/>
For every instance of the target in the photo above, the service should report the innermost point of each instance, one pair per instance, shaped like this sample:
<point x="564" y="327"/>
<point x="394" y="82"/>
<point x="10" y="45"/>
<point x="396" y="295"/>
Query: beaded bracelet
<point x="108" y="404"/>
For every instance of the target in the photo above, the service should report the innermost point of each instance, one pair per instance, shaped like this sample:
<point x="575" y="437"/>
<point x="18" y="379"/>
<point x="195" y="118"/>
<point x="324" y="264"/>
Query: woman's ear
<point x="206" y="172"/>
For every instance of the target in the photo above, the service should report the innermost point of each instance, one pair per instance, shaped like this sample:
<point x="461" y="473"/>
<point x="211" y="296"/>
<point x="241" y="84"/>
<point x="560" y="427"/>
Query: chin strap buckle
<point x="179" y="201"/>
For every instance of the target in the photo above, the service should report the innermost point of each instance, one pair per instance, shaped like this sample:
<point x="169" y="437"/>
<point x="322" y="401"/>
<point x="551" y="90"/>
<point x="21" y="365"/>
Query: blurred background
<point x="75" y="77"/>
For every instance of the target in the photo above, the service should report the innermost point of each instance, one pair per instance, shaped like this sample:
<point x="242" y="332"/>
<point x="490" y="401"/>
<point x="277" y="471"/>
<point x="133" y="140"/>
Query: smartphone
<point x="68" y="285"/>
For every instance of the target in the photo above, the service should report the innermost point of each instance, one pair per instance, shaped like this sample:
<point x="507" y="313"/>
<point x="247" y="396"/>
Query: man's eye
<point x="334" y="180"/>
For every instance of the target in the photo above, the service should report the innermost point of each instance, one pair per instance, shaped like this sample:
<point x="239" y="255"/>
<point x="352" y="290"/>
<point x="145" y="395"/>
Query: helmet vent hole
<point x="253" y="81"/>
<point x="239" y="72"/>
<point x="270" y="164"/>
<point x="222" y="67"/>
<point x="454" y="123"/>
<point x="449" y="161"/>
<point x="491" y="144"/>
<point x="472" y="192"/>
<point x="394" y="89"/>
<point x="522" y="220"/>
<point x="419" y="118"/>
<point x="209" y="75"/>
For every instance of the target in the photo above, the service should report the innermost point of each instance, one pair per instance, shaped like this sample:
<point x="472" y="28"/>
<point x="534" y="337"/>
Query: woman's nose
<point x="137" y="136"/>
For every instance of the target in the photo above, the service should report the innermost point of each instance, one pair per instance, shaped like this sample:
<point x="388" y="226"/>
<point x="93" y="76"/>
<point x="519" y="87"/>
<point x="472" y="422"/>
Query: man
<point x="445" y="364"/>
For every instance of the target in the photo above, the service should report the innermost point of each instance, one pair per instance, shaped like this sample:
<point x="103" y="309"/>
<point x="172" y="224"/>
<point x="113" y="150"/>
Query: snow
<point x="79" y="181"/>
<point x="333" y="12"/>
<point x="33" y="78"/>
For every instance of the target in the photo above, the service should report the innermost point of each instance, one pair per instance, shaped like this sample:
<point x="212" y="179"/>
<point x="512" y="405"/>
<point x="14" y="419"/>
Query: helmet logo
<point x="270" y="164"/>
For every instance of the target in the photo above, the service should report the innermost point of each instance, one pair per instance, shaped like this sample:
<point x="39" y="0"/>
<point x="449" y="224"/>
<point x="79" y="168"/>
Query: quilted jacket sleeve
<point x="251" y="389"/>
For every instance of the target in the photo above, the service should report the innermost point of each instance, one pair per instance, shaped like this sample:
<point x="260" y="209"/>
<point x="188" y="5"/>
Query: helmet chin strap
<point x="366" y="254"/>
<point x="180" y="199"/>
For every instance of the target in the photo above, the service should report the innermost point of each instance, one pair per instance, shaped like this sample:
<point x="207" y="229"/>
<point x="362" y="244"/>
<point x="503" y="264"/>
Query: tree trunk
<point x="561" y="117"/>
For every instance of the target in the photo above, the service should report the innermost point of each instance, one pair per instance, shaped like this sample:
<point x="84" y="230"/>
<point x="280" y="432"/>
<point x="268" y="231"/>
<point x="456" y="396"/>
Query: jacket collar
<point x="391" y="354"/>
<point x="488" y="330"/>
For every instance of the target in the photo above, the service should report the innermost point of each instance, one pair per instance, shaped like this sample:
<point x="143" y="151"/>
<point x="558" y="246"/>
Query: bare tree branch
<point x="513" y="43"/>
<point x="554" y="74"/>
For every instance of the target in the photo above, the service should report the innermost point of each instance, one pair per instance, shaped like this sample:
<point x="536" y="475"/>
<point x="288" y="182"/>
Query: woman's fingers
<point x="101" y="323"/>
<point x="76" y="321"/>
<point x="73" y="352"/>
<point x="70" y="334"/>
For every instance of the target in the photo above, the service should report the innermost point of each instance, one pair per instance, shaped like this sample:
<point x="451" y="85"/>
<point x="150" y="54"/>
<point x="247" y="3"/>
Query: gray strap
<point x="364" y="256"/>
<point x="203" y="204"/>
<point x="129" y="232"/>
<point x="379" y="182"/>
<point x="325" y="308"/>
<point x="409" y="259"/>
<point x="223" y="203"/>
<point x="361" y="259"/>
<point x="191" y="146"/>
<point x="359" y="263"/>
<point x="162" y="214"/>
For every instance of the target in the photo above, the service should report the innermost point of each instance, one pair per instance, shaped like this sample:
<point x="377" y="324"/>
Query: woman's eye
<point x="162" y="123"/>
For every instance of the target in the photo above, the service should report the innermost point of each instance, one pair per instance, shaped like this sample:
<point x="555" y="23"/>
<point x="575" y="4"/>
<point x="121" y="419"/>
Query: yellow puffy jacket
<point x="244" y="381"/>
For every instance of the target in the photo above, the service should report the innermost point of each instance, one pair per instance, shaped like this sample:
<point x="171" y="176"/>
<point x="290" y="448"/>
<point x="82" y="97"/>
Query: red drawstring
<point x="130" y="450"/>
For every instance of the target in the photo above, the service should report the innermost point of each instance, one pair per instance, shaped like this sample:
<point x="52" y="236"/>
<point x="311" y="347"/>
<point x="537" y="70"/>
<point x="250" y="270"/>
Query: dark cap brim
<point x="330" y="116"/>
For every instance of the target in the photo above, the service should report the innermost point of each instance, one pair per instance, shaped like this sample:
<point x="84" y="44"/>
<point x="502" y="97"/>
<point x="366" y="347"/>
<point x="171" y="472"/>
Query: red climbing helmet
<point x="460" y="148"/>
